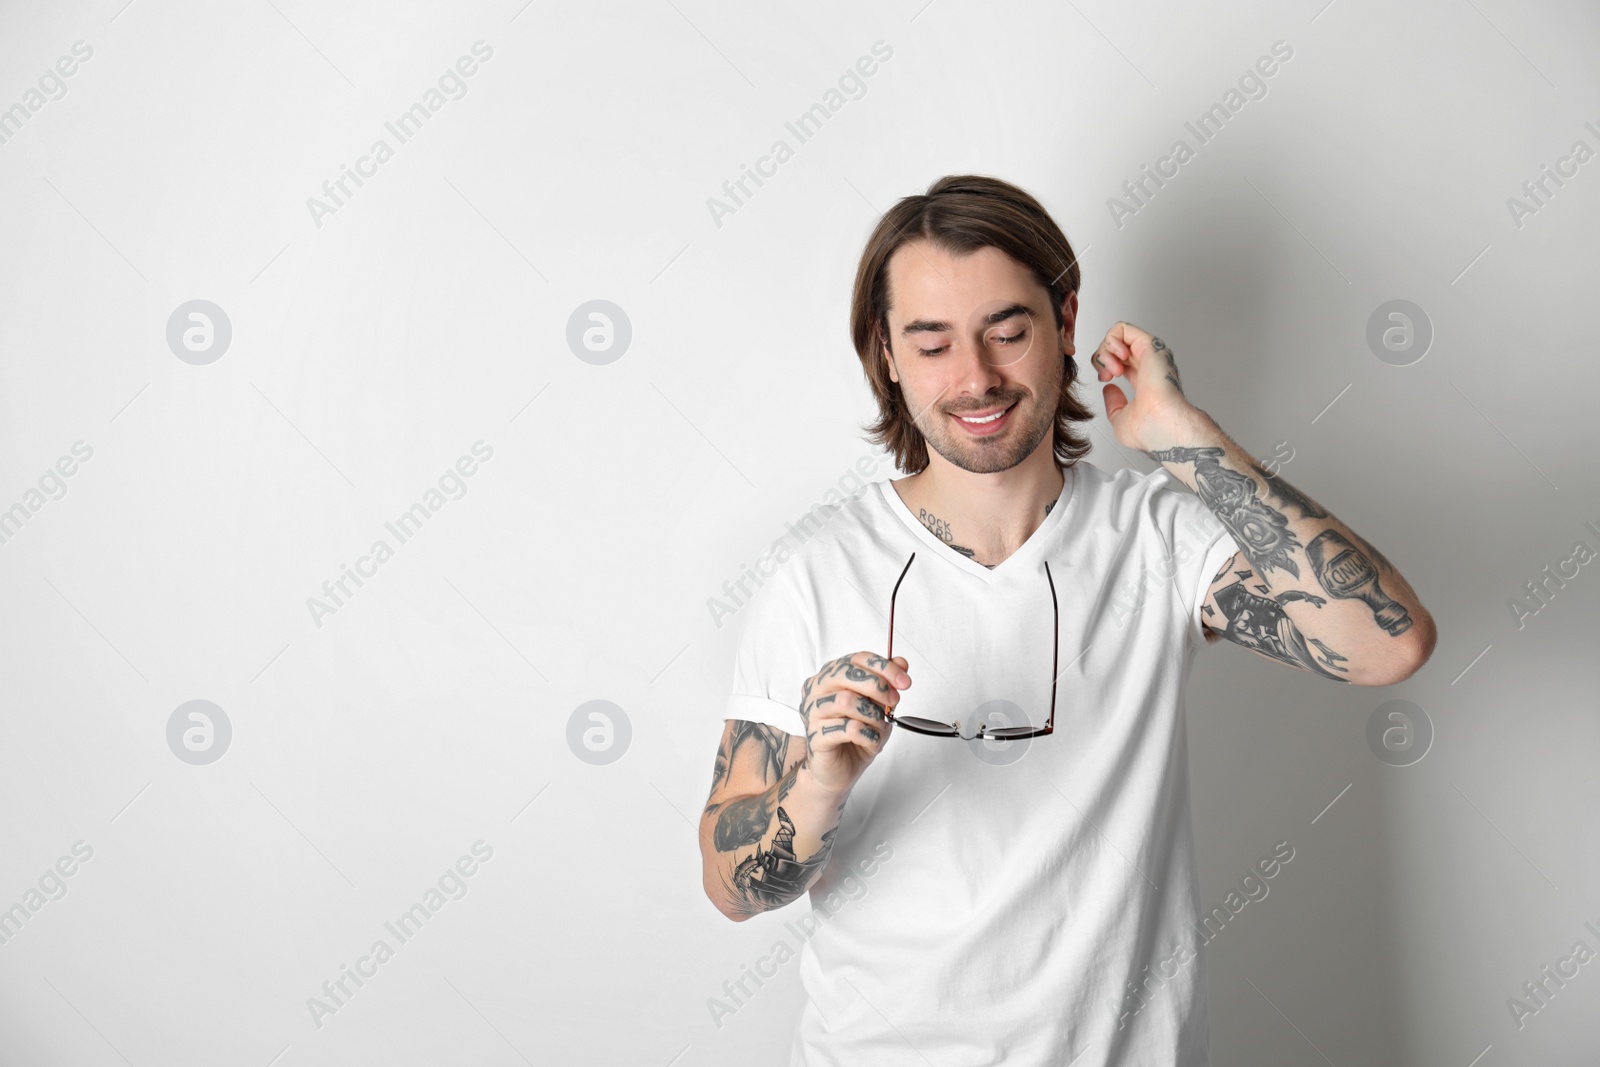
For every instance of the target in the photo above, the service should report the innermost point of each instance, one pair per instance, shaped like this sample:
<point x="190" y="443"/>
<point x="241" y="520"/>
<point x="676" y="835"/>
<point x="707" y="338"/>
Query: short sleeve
<point x="1197" y="543"/>
<point x="776" y="653"/>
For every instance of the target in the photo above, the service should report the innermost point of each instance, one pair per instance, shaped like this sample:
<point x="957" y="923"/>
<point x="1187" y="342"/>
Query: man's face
<point x="971" y="337"/>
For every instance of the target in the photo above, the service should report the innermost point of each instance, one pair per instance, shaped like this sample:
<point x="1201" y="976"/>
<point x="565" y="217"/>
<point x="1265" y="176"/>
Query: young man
<point x="1033" y="900"/>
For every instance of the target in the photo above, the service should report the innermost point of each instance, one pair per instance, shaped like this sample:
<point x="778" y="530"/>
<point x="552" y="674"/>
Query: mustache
<point x="987" y="405"/>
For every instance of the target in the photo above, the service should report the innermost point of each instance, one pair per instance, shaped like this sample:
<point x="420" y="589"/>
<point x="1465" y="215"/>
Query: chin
<point x="978" y="457"/>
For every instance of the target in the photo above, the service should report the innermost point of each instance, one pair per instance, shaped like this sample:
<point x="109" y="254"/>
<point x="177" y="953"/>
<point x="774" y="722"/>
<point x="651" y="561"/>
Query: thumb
<point x="1115" y="400"/>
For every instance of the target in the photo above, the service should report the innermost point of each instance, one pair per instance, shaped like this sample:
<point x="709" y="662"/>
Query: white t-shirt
<point x="1029" y="902"/>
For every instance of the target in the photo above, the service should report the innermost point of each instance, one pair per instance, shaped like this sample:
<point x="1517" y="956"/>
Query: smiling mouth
<point x="986" y="418"/>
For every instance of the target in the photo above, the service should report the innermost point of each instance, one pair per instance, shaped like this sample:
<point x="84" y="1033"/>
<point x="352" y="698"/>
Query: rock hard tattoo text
<point x="942" y="530"/>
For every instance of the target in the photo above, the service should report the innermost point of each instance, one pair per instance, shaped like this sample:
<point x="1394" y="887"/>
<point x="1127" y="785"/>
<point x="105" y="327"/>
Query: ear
<point x="888" y="359"/>
<point x="1069" y="322"/>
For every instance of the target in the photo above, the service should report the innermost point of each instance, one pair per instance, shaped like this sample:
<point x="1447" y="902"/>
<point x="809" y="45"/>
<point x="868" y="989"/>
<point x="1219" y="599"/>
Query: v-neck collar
<point x="1017" y="561"/>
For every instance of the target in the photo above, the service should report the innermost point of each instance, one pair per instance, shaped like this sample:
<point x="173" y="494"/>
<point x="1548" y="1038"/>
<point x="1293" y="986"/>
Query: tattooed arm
<point x="1304" y="588"/>
<point x="767" y="830"/>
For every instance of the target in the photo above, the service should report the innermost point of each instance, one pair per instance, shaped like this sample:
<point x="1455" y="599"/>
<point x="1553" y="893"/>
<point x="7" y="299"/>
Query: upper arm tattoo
<point x="770" y="744"/>
<point x="1244" y="611"/>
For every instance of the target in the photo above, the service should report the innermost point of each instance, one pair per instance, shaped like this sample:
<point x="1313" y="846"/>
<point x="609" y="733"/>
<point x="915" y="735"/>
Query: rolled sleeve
<point x="1221" y="550"/>
<point x="766" y="711"/>
<point x="776" y="654"/>
<point x="1197" y="544"/>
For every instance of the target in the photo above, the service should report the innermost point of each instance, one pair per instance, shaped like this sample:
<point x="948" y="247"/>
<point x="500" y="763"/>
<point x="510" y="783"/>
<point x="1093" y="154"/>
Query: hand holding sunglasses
<point x="847" y="710"/>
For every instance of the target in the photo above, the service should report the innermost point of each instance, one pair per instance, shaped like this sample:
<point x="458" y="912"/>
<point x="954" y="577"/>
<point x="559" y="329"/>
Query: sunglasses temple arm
<point x="1055" y="654"/>
<point x="892" y="597"/>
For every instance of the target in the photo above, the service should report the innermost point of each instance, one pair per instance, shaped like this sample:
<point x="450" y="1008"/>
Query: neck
<point x="986" y="517"/>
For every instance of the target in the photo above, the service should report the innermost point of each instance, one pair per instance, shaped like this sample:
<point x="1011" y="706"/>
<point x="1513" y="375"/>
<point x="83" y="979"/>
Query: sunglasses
<point x="934" y="728"/>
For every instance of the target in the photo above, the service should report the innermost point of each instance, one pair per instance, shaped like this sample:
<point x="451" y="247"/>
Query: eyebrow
<point x="933" y="326"/>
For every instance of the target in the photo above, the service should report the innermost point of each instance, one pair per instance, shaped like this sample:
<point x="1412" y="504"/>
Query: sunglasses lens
<point x="1006" y="733"/>
<point x="925" y="724"/>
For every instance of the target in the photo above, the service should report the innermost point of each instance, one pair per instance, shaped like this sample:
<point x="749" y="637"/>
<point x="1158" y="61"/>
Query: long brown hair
<point x="961" y="213"/>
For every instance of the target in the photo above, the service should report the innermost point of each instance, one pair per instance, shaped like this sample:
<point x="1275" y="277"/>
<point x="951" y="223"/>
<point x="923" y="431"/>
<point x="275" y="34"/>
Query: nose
<point x="977" y="374"/>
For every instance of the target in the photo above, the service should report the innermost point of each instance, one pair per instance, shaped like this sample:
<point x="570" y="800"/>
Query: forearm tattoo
<point x="1262" y="532"/>
<point x="774" y="877"/>
<point x="771" y="877"/>
<point x="1344" y="572"/>
<point x="1288" y="494"/>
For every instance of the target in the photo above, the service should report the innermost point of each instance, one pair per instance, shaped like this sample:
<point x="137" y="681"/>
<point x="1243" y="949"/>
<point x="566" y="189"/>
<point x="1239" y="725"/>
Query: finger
<point x="852" y="704"/>
<point x="1120" y="339"/>
<point x="1131" y="335"/>
<point x="1105" y="361"/>
<point x="843" y="681"/>
<point x="834" y="734"/>
<point x="1124" y="352"/>
<point x="866" y="672"/>
<point x="863" y="708"/>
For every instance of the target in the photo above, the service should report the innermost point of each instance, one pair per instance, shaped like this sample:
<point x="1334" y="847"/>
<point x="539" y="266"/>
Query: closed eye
<point x="1004" y="340"/>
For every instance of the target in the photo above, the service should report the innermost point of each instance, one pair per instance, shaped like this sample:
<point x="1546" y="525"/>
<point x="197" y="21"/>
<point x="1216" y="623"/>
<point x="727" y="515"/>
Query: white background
<point x="369" y="352"/>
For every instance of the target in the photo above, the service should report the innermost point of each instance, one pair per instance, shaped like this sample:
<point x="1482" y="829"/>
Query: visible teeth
<point x="986" y="418"/>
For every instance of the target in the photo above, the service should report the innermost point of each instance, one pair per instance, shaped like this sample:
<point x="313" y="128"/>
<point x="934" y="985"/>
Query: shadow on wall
<point x="1222" y="277"/>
